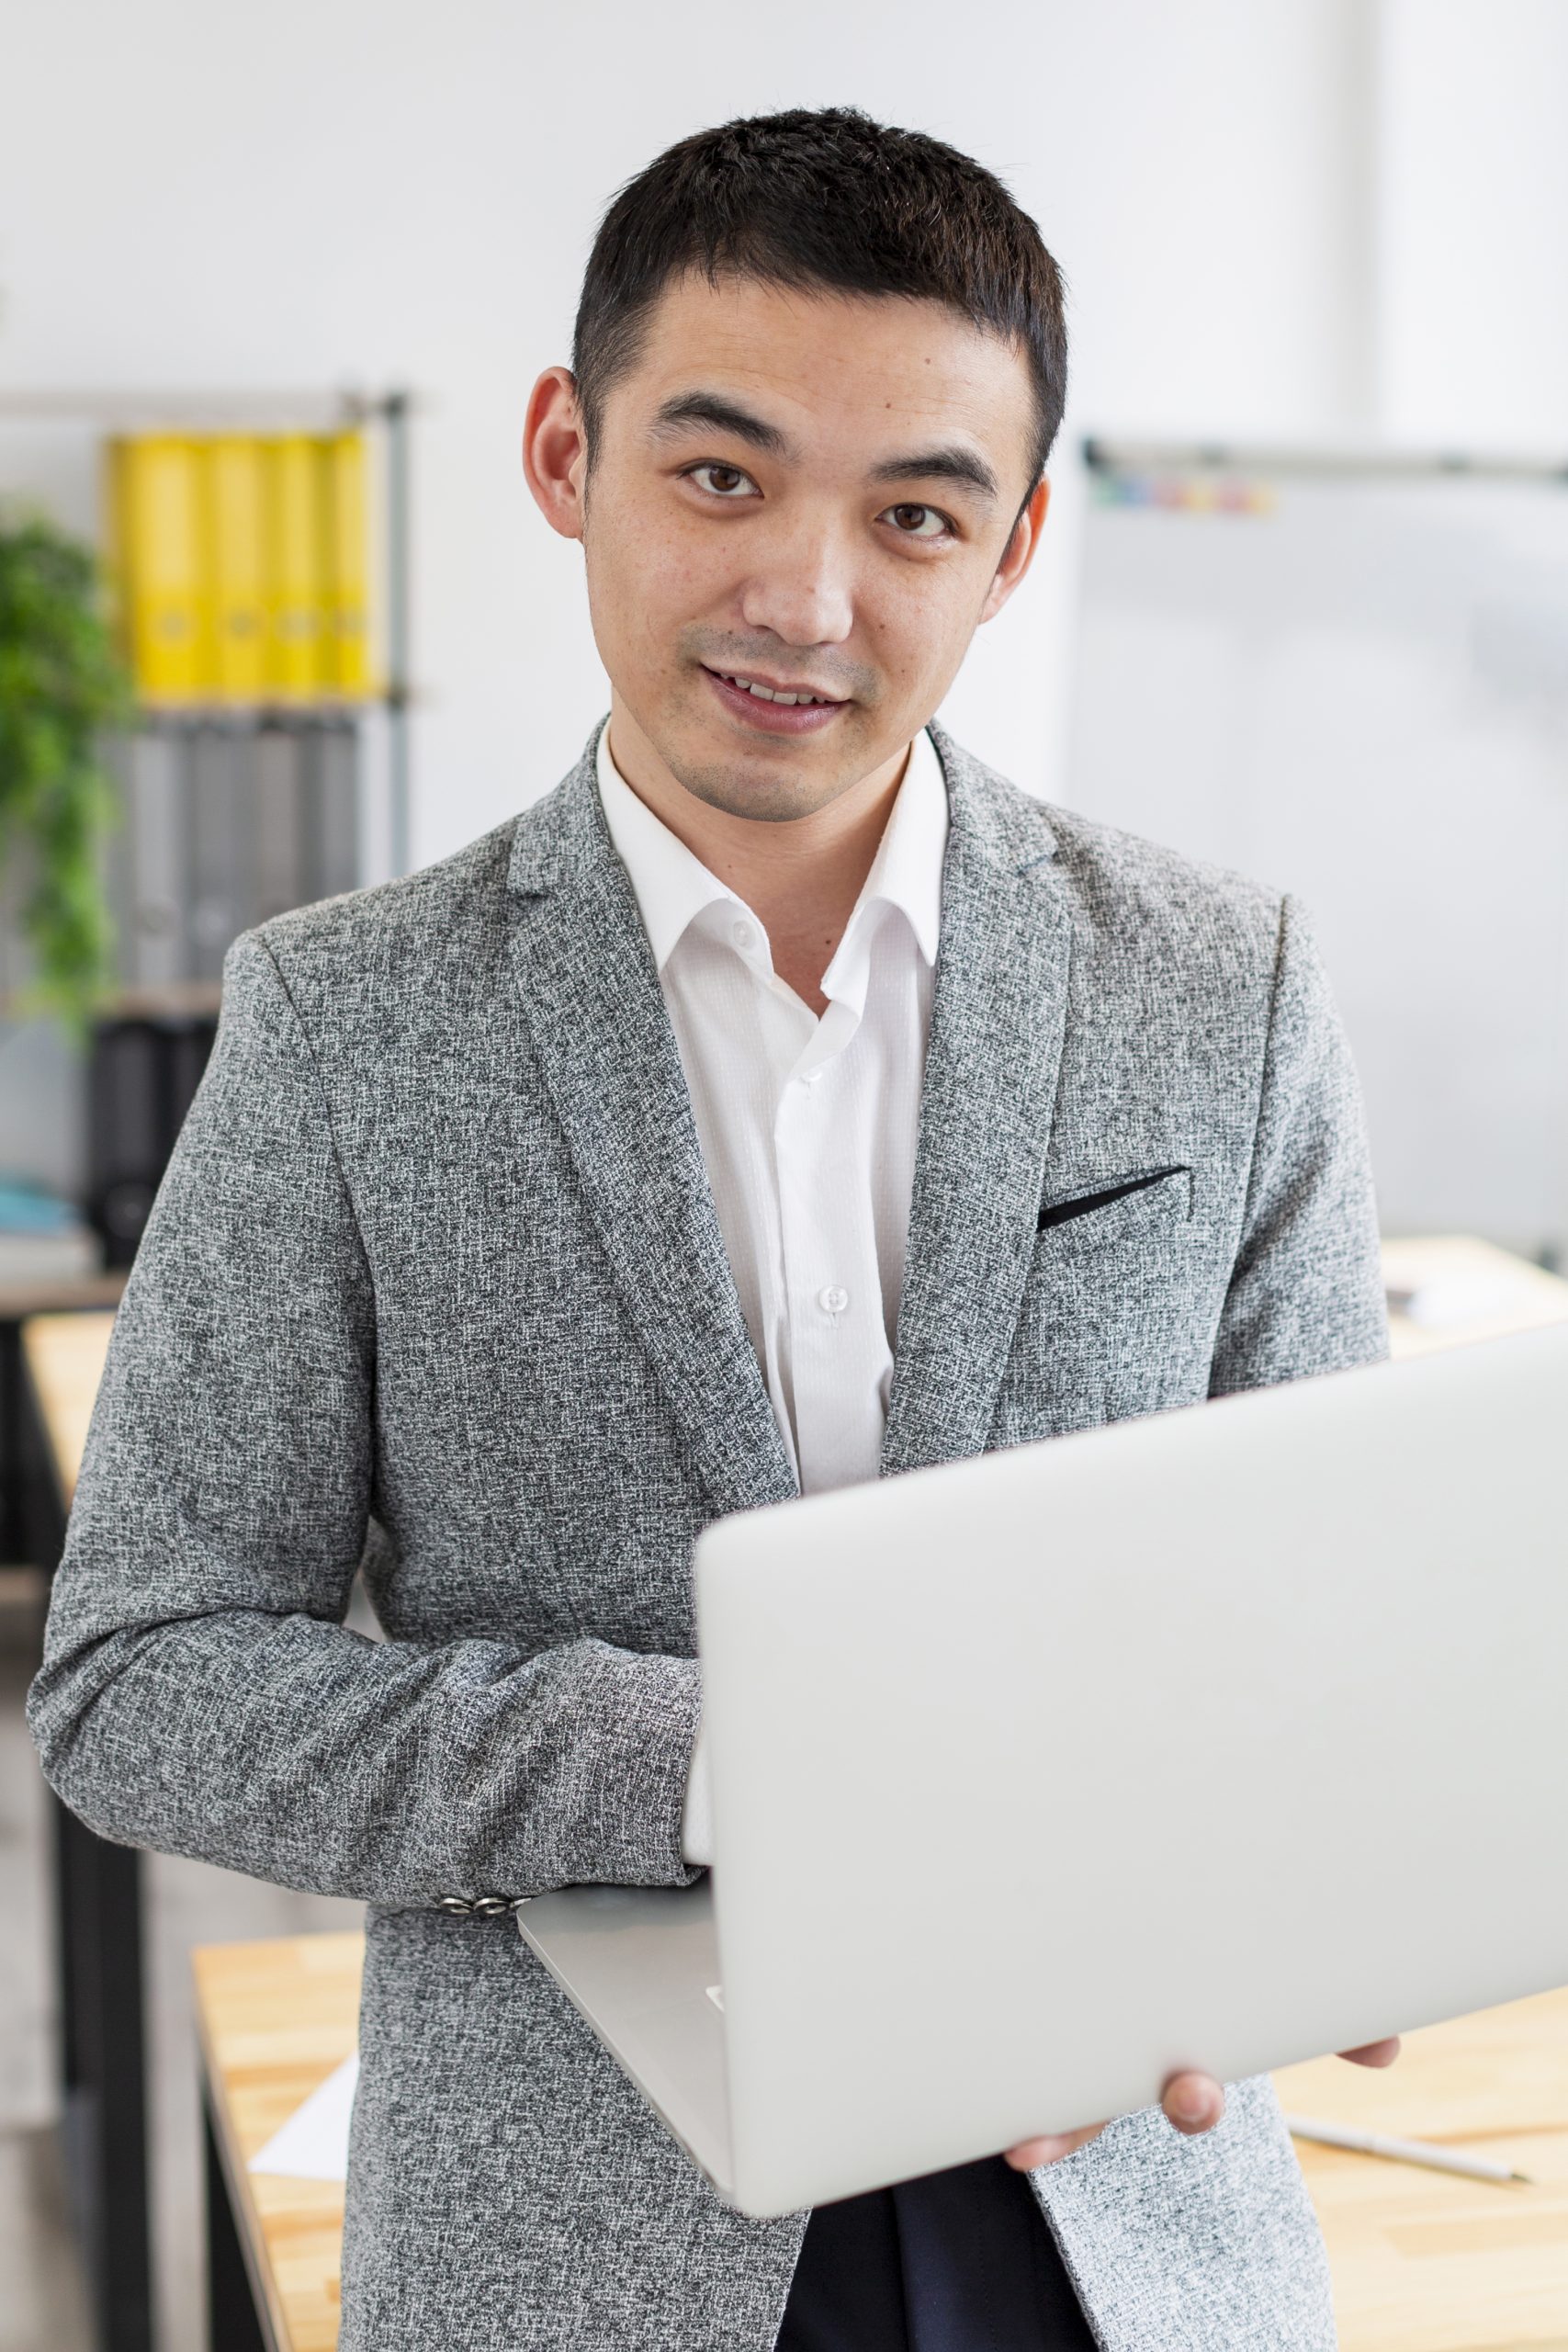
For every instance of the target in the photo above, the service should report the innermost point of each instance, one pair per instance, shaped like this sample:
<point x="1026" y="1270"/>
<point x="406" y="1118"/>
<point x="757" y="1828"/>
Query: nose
<point x="800" y="589"/>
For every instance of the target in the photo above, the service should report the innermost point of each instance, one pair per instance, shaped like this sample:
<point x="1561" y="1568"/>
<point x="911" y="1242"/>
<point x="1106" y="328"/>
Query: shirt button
<point x="743" y="935"/>
<point x="833" y="1300"/>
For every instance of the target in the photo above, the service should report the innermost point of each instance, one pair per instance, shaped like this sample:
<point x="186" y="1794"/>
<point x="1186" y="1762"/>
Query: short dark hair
<point x="832" y="200"/>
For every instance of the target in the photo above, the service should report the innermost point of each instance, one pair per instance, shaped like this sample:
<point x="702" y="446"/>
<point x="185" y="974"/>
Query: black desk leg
<point x="232" y="2321"/>
<point x="15" y="1523"/>
<point x="99" y="1925"/>
<point x="98" y="1928"/>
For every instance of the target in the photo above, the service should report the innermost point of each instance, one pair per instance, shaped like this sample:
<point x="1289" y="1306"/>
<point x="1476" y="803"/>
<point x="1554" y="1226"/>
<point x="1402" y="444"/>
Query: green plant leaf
<point x="61" y="687"/>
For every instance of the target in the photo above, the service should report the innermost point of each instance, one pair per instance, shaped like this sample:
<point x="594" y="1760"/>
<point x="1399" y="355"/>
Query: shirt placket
<point x="833" y="1299"/>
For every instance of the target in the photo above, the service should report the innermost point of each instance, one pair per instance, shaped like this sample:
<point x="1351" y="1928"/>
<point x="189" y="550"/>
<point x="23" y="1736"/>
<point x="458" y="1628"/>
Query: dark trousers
<point x="962" y="2261"/>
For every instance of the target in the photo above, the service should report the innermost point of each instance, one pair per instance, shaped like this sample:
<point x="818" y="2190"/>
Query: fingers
<point x="1192" y="2102"/>
<point x="1374" y="2053"/>
<point x="1029" y="2154"/>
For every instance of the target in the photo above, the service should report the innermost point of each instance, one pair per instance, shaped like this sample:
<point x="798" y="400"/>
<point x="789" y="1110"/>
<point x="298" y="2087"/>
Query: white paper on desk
<point x="313" y="2143"/>
<point x="1450" y="1301"/>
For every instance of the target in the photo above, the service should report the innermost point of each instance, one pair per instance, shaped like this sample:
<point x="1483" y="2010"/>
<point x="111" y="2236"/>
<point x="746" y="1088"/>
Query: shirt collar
<point x="906" y="870"/>
<point x="672" y="887"/>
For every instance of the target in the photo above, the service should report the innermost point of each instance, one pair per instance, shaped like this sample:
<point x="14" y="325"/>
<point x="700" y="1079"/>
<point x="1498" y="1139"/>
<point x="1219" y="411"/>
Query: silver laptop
<point x="1220" y="1739"/>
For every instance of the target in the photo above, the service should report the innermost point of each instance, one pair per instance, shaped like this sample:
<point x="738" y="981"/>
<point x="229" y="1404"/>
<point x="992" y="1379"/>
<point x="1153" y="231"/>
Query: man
<point x="782" y="1100"/>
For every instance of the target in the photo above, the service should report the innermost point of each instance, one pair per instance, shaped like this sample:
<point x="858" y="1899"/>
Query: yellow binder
<point x="296" y="585"/>
<point x="349" y="665"/>
<point x="235" y="489"/>
<point x="156" y="527"/>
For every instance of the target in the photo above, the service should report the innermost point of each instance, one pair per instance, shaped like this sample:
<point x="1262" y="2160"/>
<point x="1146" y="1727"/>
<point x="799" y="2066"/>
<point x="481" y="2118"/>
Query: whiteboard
<point x="1350" y="680"/>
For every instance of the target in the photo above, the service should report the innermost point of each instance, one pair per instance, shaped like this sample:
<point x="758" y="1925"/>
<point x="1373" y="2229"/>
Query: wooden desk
<point x="27" y="1516"/>
<point x="275" y="2018"/>
<point x="1421" y="2261"/>
<point x="64" y="1357"/>
<point x="1470" y="1289"/>
<point x="1424" y="2262"/>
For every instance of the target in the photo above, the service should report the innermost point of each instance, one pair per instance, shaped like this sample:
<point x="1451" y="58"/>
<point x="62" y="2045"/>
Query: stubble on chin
<point x="775" y="784"/>
<point x="737" y="791"/>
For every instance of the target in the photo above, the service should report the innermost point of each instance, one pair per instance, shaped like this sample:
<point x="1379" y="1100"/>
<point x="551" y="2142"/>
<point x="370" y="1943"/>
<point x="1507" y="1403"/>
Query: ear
<point x="1019" y="552"/>
<point x="554" y="451"/>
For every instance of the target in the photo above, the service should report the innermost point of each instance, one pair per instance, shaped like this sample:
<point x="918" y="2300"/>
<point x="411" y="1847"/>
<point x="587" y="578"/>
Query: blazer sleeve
<point x="1305" y="1294"/>
<point x="199" y="1691"/>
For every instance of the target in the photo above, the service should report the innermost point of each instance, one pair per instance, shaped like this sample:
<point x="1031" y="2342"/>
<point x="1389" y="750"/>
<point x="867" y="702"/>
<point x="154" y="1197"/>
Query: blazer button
<point x="456" y="1907"/>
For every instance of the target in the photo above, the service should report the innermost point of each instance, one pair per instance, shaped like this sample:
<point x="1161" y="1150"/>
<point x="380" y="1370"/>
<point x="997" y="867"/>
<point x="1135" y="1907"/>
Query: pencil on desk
<point x="1407" y="2152"/>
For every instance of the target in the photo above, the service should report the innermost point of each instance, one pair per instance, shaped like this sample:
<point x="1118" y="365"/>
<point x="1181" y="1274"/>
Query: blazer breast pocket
<point x="1119" y="1302"/>
<point x="1118" y="1207"/>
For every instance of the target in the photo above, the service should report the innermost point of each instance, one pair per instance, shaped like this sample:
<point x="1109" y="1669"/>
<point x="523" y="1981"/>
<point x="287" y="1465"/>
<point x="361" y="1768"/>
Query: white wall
<point x="376" y="191"/>
<point x="1474" y="206"/>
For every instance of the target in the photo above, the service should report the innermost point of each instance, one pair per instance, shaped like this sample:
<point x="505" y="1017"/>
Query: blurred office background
<point x="1304" y="612"/>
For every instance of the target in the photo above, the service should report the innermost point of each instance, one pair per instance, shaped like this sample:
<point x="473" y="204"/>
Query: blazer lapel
<point x="591" y="999"/>
<point x="998" y="1020"/>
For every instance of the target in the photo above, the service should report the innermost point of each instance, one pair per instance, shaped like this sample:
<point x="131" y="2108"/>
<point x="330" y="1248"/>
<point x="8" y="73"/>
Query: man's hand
<point x="1192" y="2103"/>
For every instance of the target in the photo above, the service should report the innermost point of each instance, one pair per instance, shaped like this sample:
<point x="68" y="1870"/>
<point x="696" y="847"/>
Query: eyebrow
<point x="964" y="467"/>
<point x="713" y="412"/>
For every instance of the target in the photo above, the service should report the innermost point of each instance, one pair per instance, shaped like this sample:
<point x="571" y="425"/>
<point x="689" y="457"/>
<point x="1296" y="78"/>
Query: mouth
<point x="772" y="706"/>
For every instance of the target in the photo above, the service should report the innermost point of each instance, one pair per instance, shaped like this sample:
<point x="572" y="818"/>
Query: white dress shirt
<point x="807" y="1124"/>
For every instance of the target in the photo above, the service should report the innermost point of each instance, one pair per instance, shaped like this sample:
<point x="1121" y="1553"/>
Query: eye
<point x="721" y="481"/>
<point x="913" y="521"/>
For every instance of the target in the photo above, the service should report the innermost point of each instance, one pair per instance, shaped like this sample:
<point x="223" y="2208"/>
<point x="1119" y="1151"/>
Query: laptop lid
<point x="1218" y="1739"/>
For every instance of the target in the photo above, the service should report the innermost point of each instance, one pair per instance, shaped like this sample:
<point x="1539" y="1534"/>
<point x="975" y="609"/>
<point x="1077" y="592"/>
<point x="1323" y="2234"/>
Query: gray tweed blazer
<point x="434" y="1285"/>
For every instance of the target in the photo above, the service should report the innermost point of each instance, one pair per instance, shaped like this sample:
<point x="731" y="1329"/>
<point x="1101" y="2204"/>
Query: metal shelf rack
<point x="391" y="412"/>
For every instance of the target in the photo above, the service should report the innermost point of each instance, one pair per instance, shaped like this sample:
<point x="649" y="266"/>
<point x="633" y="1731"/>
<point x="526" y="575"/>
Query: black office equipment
<point x="142" y="1074"/>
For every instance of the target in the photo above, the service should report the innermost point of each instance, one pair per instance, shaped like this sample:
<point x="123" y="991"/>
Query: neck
<point x="801" y="876"/>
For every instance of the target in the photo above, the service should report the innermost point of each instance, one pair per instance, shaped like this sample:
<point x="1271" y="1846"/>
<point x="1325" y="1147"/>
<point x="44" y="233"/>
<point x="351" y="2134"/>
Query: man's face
<point x="812" y="493"/>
